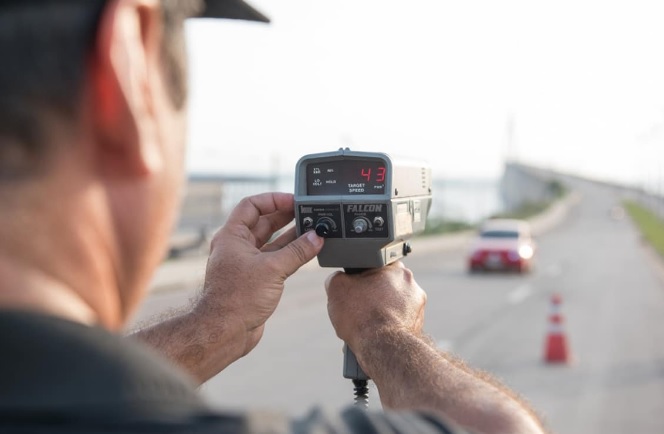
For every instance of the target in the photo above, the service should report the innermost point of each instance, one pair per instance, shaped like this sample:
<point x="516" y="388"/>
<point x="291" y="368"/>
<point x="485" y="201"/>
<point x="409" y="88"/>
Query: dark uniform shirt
<point x="58" y="376"/>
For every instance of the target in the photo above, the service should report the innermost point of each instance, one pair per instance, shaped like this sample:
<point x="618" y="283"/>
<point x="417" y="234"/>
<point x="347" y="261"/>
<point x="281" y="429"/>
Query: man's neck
<point x="23" y="288"/>
<point x="50" y="265"/>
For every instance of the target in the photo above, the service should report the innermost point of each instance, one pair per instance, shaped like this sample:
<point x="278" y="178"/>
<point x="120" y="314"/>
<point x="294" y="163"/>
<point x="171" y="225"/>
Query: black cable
<point x="361" y="393"/>
<point x="353" y="370"/>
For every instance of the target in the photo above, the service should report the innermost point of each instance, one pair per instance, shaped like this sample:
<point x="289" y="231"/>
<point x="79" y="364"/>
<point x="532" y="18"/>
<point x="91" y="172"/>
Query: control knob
<point x="360" y="225"/>
<point x="325" y="226"/>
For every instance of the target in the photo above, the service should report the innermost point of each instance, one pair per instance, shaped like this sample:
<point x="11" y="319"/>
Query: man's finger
<point x="288" y="236"/>
<point x="299" y="252"/>
<point x="250" y="209"/>
<point x="268" y="225"/>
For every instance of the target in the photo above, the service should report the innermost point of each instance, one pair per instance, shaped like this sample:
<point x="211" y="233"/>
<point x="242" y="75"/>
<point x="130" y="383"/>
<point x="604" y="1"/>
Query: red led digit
<point x="380" y="176"/>
<point x="366" y="173"/>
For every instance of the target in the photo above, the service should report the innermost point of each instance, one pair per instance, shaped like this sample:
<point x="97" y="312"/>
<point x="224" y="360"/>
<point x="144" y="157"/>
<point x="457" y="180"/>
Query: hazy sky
<point x="439" y="80"/>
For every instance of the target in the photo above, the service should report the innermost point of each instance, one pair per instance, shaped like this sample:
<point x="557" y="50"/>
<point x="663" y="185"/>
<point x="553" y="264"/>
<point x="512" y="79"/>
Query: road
<point x="613" y="318"/>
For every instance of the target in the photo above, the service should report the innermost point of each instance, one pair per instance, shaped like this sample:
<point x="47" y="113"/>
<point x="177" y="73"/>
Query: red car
<point x="502" y="244"/>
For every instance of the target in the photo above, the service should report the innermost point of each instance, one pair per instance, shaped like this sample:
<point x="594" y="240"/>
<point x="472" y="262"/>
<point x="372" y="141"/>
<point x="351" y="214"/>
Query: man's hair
<point x="44" y="47"/>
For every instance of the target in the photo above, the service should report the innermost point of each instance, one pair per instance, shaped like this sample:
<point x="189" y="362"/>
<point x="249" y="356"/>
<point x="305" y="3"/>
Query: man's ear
<point x="122" y="88"/>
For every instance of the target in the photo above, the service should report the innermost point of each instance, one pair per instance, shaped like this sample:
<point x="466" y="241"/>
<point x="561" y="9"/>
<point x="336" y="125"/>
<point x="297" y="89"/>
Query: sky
<point x="575" y="86"/>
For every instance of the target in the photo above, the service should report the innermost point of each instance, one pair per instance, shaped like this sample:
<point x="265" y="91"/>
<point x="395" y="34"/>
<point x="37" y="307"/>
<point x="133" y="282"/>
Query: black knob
<point x="323" y="229"/>
<point x="325" y="226"/>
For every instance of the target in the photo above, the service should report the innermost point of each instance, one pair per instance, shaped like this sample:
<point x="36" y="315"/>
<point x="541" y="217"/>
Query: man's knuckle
<point x="298" y="251"/>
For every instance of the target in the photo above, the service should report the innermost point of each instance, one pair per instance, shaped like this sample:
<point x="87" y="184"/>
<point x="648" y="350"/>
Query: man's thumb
<point x="300" y="251"/>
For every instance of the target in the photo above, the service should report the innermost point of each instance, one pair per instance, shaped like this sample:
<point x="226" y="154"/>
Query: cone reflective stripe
<point x="556" y="325"/>
<point x="556" y="349"/>
<point x="555" y="304"/>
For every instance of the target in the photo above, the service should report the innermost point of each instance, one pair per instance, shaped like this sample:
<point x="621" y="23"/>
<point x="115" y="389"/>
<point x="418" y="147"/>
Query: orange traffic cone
<point x="556" y="349"/>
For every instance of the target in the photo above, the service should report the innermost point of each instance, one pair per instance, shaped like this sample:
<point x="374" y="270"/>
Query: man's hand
<point x="379" y="313"/>
<point x="376" y="299"/>
<point x="245" y="274"/>
<point x="245" y="277"/>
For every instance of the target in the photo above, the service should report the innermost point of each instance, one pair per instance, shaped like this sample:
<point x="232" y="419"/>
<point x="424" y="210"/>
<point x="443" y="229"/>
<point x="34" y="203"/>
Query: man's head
<point x="45" y="45"/>
<point x="92" y="131"/>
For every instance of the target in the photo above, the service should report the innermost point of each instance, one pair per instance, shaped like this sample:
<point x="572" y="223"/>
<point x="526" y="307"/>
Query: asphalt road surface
<point x="613" y="319"/>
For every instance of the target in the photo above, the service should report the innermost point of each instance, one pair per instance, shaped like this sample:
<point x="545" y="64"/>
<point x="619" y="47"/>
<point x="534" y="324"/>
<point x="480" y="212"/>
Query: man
<point x="92" y="127"/>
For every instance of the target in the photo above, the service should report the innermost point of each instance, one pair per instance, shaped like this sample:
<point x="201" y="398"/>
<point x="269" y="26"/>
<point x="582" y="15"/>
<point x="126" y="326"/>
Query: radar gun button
<point x="360" y="225"/>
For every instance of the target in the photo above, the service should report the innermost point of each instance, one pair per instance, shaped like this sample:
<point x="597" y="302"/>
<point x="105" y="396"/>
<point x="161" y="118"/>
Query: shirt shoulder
<point x="357" y="420"/>
<point x="72" y="370"/>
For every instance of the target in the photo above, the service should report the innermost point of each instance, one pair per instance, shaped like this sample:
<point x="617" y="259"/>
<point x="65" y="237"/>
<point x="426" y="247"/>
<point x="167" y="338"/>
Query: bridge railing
<point x="205" y="207"/>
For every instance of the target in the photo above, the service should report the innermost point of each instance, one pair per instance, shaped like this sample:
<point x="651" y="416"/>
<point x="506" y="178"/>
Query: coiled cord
<point x="361" y="393"/>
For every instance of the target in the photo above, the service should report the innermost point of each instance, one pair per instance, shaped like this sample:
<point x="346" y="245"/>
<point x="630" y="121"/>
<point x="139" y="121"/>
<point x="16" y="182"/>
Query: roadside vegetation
<point x="649" y="224"/>
<point x="531" y="209"/>
<point x="525" y="211"/>
<point x="437" y="226"/>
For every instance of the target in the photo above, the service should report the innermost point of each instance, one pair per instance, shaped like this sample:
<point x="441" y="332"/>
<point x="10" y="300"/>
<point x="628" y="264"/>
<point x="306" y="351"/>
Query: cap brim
<point x="232" y="9"/>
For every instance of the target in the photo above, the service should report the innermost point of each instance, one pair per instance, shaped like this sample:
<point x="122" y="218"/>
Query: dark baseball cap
<point x="231" y="9"/>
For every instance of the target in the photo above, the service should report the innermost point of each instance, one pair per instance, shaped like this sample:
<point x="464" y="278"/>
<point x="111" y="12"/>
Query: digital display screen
<point x="346" y="177"/>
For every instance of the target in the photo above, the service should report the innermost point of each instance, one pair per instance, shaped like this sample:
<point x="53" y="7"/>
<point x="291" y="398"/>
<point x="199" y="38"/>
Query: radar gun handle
<point x="352" y="369"/>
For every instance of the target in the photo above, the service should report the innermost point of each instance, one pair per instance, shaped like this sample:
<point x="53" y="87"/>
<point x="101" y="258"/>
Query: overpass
<point x="523" y="183"/>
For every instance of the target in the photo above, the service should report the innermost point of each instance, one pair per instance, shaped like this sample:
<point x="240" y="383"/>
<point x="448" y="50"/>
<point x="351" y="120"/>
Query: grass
<point x="531" y="209"/>
<point x="649" y="224"/>
<point x="437" y="226"/>
<point x="525" y="211"/>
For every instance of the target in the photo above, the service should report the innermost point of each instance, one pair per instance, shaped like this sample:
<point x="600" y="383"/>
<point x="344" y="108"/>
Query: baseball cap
<point x="231" y="9"/>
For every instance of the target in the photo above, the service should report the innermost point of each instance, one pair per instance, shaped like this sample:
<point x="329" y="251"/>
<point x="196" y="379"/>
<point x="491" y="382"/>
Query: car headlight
<point x="526" y="252"/>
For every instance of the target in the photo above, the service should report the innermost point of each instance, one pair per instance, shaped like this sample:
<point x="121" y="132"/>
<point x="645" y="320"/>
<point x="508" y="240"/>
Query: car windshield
<point x="499" y="234"/>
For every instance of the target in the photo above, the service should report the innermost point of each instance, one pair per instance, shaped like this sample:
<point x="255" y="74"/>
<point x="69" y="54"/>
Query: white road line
<point x="519" y="294"/>
<point x="553" y="270"/>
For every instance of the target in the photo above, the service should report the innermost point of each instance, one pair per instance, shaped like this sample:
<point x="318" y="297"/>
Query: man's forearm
<point x="202" y="348"/>
<point x="410" y="373"/>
